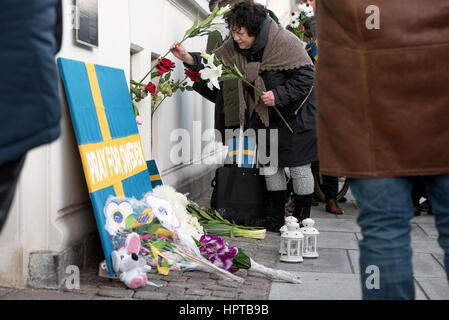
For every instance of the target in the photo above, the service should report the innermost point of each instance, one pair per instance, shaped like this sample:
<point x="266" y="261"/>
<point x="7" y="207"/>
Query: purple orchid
<point x="218" y="252"/>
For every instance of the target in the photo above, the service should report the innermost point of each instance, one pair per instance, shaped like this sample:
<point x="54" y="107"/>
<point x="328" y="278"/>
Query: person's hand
<point x="268" y="98"/>
<point x="180" y="52"/>
<point x="303" y="43"/>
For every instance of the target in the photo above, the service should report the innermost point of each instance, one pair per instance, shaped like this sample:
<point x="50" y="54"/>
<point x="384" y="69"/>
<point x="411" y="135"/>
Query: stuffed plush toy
<point x="132" y="268"/>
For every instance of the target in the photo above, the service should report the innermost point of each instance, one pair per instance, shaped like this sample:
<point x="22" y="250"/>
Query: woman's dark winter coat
<point x="290" y="88"/>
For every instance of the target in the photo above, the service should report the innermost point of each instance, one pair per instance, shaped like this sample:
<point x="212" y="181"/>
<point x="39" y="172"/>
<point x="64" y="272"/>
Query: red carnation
<point x="303" y="29"/>
<point x="193" y="75"/>
<point x="165" y="65"/>
<point x="151" y="88"/>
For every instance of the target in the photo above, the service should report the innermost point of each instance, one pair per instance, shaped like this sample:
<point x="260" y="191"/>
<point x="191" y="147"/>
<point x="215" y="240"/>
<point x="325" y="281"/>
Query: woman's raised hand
<point x="180" y="52"/>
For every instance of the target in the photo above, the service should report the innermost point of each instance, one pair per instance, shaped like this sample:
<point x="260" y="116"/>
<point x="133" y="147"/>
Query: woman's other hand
<point x="180" y="52"/>
<point x="268" y="98"/>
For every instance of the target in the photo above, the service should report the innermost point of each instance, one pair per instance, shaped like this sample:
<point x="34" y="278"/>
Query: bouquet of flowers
<point x="299" y="19"/>
<point x="166" y="86"/>
<point x="171" y="239"/>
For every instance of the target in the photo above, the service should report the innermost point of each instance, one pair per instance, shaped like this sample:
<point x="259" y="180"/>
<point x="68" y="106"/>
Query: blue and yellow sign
<point x="108" y="138"/>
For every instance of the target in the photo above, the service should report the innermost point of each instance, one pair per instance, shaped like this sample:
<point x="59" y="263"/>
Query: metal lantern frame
<point x="310" y="247"/>
<point x="292" y="242"/>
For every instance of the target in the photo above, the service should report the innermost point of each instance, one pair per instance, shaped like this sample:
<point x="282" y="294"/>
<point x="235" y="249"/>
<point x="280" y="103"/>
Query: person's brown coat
<point x="383" y="95"/>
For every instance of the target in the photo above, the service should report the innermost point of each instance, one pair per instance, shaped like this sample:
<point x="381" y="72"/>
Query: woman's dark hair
<point x="247" y="15"/>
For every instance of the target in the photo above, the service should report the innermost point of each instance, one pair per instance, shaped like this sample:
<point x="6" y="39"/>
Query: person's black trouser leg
<point x="9" y="175"/>
<point x="330" y="187"/>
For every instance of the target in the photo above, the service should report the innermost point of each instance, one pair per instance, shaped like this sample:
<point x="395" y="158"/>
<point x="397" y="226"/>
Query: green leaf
<point x="167" y="76"/>
<point x="195" y="24"/>
<point x="154" y="74"/>
<point x="153" y="227"/>
<point x="160" y="244"/>
<point x="241" y="260"/>
<point x="189" y="88"/>
<point x="130" y="221"/>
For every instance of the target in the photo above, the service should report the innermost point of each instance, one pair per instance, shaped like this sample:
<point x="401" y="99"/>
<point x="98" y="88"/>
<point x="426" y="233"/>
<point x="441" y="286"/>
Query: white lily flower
<point x="224" y="10"/>
<point x="212" y="72"/>
<point x="219" y="24"/>
<point x="205" y="55"/>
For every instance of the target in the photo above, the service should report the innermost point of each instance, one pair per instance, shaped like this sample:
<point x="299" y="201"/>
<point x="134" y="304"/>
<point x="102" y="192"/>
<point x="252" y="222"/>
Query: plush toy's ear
<point x="133" y="243"/>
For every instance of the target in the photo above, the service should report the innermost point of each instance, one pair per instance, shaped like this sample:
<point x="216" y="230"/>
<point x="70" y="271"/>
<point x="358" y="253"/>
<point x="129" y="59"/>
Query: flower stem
<point x="166" y="54"/>
<point x="276" y="109"/>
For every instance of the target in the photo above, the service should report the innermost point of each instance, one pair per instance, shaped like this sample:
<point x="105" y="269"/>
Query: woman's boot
<point x="303" y="205"/>
<point x="275" y="213"/>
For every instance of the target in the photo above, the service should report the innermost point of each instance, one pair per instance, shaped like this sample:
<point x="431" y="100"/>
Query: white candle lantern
<point x="310" y="248"/>
<point x="287" y="220"/>
<point x="292" y="242"/>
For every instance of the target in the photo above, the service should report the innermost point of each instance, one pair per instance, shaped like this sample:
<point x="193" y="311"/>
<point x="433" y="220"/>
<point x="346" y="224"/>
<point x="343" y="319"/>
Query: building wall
<point x="51" y="212"/>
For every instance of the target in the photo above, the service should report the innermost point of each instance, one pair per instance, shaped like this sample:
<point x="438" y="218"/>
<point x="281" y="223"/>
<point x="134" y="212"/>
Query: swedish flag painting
<point x="155" y="175"/>
<point x="108" y="138"/>
<point x="249" y="151"/>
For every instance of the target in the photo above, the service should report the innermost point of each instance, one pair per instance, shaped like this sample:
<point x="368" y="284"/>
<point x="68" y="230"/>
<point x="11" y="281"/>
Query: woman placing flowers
<point x="275" y="61"/>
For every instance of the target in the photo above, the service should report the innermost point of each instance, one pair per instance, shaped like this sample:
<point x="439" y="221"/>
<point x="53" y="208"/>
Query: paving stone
<point x="225" y="294"/>
<point x="193" y="297"/>
<point x="319" y="286"/>
<point x="199" y="292"/>
<point x="213" y="298"/>
<point x="429" y="229"/>
<point x="202" y="281"/>
<point x="173" y="289"/>
<point x="229" y="283"/>
<point x="42" y="294"/>
<point x="354" y="257"/>
<point x="148" y="295"/>
<point x="427" y="245"/>
<point x="435" y="288"/>
<point x="252" y="296"/>
<point x="417" y="231"/>
<point x="216" y="287"/>
<point x="337" y="240"/>
<point x="419" y="293"/>
<point x="116" y="293"/>
<point x="115" y="284"/>
<point x="330" y="260"/>
<point x="196" y="274"/>
<point x="440" y="258"/>
<point x="425" y="265"/>
<point x="5" y="291"/>
<point x="336" y="225"/>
